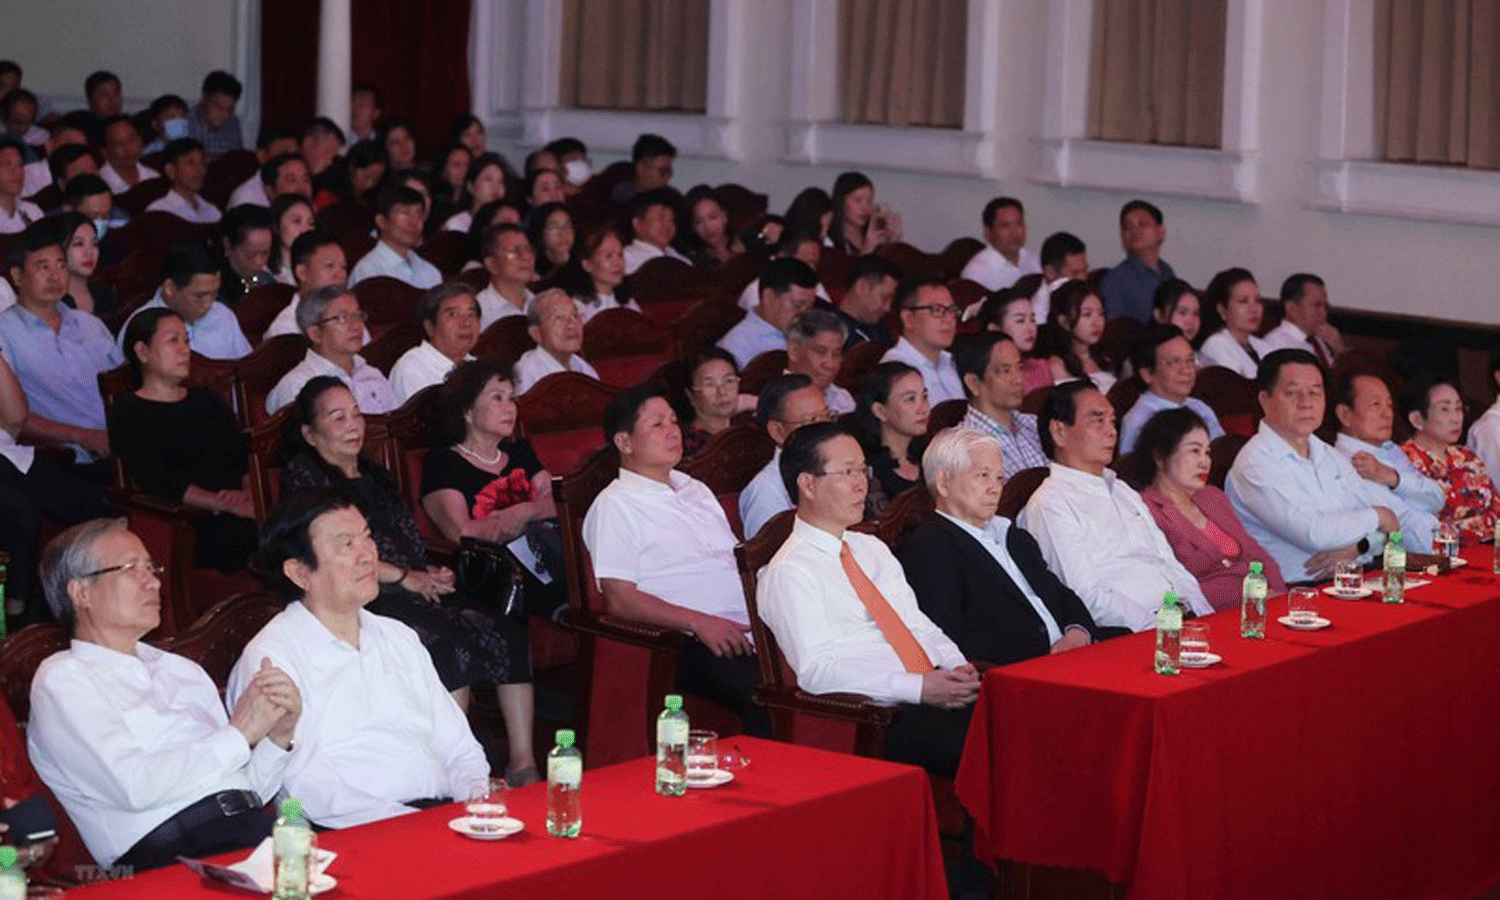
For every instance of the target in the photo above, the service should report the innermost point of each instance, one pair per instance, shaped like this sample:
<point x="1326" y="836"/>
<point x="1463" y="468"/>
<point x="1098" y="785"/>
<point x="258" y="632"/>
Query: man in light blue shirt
<point x="189" y="288"/>
<point x="787" y="287"/>
<point x="929" y="323"/>
<point x="1298" y="497"/>
<point x="1168" y="365"/>
<point x="398" y="216"/>
<point x="786" y="404"/>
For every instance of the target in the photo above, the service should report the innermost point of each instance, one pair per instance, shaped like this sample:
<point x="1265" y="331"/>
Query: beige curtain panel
<point x="902" y="62"/>
<point x="1437" y="82"/>
<point x="635" y="54"/>
<point x="1156" y="72"/>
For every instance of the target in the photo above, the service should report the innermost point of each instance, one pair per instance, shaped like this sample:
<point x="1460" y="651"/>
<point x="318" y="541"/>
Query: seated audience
<point x="246" y="238"/>
<point x="1298" y="498"/>
<point x="398" y="217"/>
<point x="976" y="574"/>
<point x="788" y="245"/>
<point x="190" y="282"/>
<point x="845" y="616"/>
<point x="134" y="740"/>
<point x="1170" y="468"/>
<point x="72" y="161"/>
<point x="787" y="403"/>
<point x="317" y="261"/>
<point x="860" y="225"/>
<point x="550" y="230"/>
<point x="509" y="259"/>
<point x="713" y="397"/>
<point x="1362" y="404"/>
<point x="1064" y="259"/>
<point x="889" y="419"/>
<point x="811" y="212"/>
<point x="653" y="222"/>
<point x="1177" y="303"/>
<point x="544" y="185"/>
<point x="1094" y="530"/>
<point x="815" y="348"/>
<point x="168" y="120"/>
<point x="1129" y="287"/>
<point x="379" y="735"/>
<point x="365" y="165"/>
<point x="573" y="159"/>
<point x="1070" y="339"/>
<point x="929" y="322"/>
<point x="293" y="216"/>
<point x="89" y="195"/>
<point x="67" y="131"/>
<point x="1168" y="367"/>
<point x="122" y="169"/>
<point x="1010" y="312"/>
<point x="469" y="131"/>
<point x="334" y="325"/>
<point x="989" y="363"/>
<point x="213" y="122"/>
<point x="321" y="143"/>
<point x="1234" y="296"/>
<point x="1484" y="434"/>
<point x="18" y="110"/>
<point x="182" y="444"/>
<point x="400" y="146"/>
<point x="786" y="290"/>
<point x="450" y="319"/>
<point x="15" y="214"/>
<point x="186" y="166"/>
<point x="1004" y="257"/>
<point x="1304" y="323"/>
<point x="554" y="323"/>
<point x="281" y="172"/>
<point x="484" y="182"/>
<point x="653" y="156"/>
<point x="869" y="291"/>
<point x="596" y="278"/>
<point x="56" y="351"/>
<point x="81" y="254"/>
<point x="663" y="553"/>
<point x="449" y="168"/>
<point x="710" y="242"/>
<point x="1435" y="411"/>
<point x="365" y="107"/>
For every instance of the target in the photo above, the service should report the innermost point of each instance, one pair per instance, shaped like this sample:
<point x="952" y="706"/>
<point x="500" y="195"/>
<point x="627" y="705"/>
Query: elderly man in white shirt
<point x="929" y="322"/>
<point x="189" y="288"/>
<point x="1362" y="404"/>
<point x="1298" y="497"/>
<point x="133" y="740"/>
<point x="786" y="290"/>
<point x="653" y="220"/>
<point x="186" y="166"/>
<point x="1004" y="257"/>
<point x="1095" y="532"/>
<point x="785" y="404"/>
<point x="815" y="348"/>
<point x="1304" y="324"/>
<point x="663" y="553"/>
<point x="379" y="736"/>
<point x="557" y="327"/>
<point x="844" y="615"/>
<point x="398" y="218"/>
<point x="335" y="325"/>
<point x="510" y="261"/>
<point x="1167" y="364"/>
<point x="450" y="317"/>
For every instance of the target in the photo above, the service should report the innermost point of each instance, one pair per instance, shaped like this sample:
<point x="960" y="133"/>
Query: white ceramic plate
<point x="464" y="825"/>
<point x="1315" y="625"/>
<point x="720" y="776"/>
<point x="1356" y="595"/>
<point x="1208" y="659"/>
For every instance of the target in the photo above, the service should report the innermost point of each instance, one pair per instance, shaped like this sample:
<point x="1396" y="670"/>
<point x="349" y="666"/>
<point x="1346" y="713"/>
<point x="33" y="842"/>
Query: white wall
<point x="1379" y="262"/>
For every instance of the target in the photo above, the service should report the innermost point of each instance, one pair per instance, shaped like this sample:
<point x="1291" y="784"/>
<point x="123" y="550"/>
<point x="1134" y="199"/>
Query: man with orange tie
<point x="841" y="609"/>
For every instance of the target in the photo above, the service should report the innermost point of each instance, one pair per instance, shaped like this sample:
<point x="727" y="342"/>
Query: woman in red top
<point x="1436" y="412"/>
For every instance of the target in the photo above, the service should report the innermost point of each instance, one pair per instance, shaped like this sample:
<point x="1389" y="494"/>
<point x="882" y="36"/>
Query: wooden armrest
<point x="850" y="707"/>
<point x="628" y="630"/>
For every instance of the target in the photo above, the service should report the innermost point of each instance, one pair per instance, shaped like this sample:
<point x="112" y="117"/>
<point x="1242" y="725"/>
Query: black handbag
<point x="486" y="571"/>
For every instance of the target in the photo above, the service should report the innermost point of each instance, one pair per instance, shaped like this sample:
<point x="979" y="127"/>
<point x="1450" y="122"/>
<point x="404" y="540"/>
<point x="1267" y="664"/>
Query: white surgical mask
<point x="579" y="170"/>
<point x="100" y="226"/>
<point x="172" y="129"/>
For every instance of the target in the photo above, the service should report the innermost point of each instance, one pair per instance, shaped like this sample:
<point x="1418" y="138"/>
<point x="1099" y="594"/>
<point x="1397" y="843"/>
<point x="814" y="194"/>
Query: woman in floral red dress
<point x="1436" y="413"/>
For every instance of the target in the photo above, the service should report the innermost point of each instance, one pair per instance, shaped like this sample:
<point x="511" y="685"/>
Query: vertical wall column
<point x="335" y="60"/>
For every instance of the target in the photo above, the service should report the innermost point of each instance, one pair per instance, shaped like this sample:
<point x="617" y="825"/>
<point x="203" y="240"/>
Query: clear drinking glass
<point x="1348" y="577"/>
<point x="1302" y="605"/>
<point x="1446" y="542"/>
<point x="1194" y="643"/>
<point x="702" y="755"/>
<point x="486" y="804"/>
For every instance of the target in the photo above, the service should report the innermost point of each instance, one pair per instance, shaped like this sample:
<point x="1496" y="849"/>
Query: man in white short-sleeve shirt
<point x="557" y="328"/>
<point x="1004" y="257"/>
<point x="186" y="167"/>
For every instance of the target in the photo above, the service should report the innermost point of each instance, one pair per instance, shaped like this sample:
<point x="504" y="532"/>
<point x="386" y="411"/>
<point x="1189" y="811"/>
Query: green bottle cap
<point x="1257" y="567"/>
<point x="291" y="808"/>
<point x="674" y="702"/>
<point x="8" y="857"/>
<point x="565" y="737"/>
<point x="1170" y="600"/>
<point x="1395" y="537"/>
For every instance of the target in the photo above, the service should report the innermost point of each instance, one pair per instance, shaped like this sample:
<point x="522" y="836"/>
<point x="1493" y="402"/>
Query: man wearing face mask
<point x="188" y="288"/>
<point x="573" y="158"/>
<point x="89" y="195"/>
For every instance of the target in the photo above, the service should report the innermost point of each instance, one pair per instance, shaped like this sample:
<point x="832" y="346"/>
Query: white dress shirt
<point x="750" y="296"/>
<point x="421" y="366"/>
<point x="1288" y="336"/>
<point x="252" y="191"/>
<point x="1041" y="301"/>
<point x="994" y="271"/>
<point x="638" y="252"/>
<point x="377" y="726"/>
<point x="589" y="308"/>
<point x="203" y="212"/>
<point x="1295" y="507"/>
<point x="750" y="337"/>
<point x="764" y="496"/>
<point x="493" y="307"/>
<point x="536" y="364"/>
<point x="1151" y="403"/>
<point x="1484" y="440"/>
<point x="384" y="260"/>
<point x="671" y="541"/>
<point x="126" y="742"/>
<point x="117" y="183"/>
<point x="371" y="390"/>
<point x="1416" y="499"/>
<point x="37" y="176"/>
<point x="992" y="538"/>
<point x="838" y="399"/>
<point x="829" y="638"/>
<point x="25" y="213"/>
<point x="941" y="379"/>
<point x="1098" y="536"/>
<point x="216" y="334"/>
<point x="1223" y="350"/>
<point x="459" y="221"/>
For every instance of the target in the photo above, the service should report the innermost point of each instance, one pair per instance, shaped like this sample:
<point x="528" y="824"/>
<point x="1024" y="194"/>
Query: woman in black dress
<point x="470" y="641"/>
<point x="890" y="420"/>
<point x="182" y="444"/>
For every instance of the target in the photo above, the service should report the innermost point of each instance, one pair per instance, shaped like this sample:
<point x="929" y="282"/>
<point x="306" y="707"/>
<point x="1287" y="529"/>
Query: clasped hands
<point x="269" y="707"/>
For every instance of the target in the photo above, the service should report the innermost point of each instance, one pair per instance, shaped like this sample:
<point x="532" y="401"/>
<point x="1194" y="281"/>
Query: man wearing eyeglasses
<point x="398" y="217"/>
<point x="786" y="404"/>
<point x="133" y="740"/>
<point x="334" y="324"/>
<point x="929" y="322"/>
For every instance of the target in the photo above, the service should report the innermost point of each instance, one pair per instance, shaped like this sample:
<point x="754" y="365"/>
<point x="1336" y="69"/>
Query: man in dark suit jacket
<point x="953" y="562"/>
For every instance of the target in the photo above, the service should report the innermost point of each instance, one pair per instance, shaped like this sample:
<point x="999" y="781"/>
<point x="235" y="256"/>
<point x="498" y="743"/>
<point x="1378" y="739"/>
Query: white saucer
<point x="1353" y="595"/>
<point x="508" y="826"/>
<point x="321" y="882"/>
<point x="1315" y="625"/>
<point x="1209" y="659"/>
<point x="720" y="776"/>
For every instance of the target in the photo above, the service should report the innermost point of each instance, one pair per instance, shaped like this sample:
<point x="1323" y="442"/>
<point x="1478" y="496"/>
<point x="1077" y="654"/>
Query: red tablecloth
<point x="1358" y="761"/>
<point x="798" y="822"/>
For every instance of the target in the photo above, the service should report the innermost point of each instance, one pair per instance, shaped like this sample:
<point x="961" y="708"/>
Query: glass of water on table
<point x="486" y="805"/>
<point x="1348" y="577"/>
<point x="1445" y="542"/>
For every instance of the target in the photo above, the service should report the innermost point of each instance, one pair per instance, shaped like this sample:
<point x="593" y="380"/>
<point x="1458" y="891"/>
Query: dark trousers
<point x="729" y="681"/>
<point x="222" y="835"/>
<point x="928" y="736"/>
<point x="63" y="493"/>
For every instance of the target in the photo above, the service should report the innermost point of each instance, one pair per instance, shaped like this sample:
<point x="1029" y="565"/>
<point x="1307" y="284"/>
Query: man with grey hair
<point x="334" y="324"/>
<point x="978" y="576"/>
<point x="450" y="316"/>
<point x="133" y="740"/>
<point x="554" y="322"/>
<point x="815" y="348"/>
<point x="785" y="404"/>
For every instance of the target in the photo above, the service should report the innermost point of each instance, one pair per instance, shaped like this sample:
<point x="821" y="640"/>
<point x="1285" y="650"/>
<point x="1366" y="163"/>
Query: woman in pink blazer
<point x="1170" y="468"/>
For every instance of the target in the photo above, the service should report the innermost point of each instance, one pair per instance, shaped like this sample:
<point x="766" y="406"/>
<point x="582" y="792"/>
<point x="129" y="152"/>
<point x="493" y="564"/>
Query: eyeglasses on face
<point x="938" y="310"/>
<point x="139" y="569"/>
<point x="342" y="318"/>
